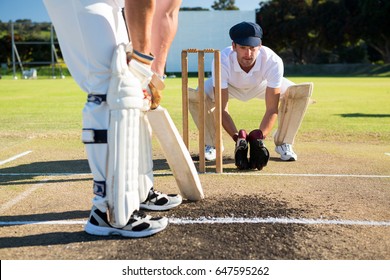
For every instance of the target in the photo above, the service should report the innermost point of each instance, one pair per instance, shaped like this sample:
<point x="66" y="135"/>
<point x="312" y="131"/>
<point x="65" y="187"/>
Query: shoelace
<point x="288" y="147"/>
<point x="153" y="194"/>
<point x="138" y="214"/>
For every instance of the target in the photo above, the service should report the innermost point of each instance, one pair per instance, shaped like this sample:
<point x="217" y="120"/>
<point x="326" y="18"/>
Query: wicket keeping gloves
<point x="140" y="66"/>
<point x="241" y="150"/>
<point x="259" y="154"/>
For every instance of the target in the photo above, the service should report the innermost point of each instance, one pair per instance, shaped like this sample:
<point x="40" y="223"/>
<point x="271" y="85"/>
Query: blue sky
<point x="35" y="10"/>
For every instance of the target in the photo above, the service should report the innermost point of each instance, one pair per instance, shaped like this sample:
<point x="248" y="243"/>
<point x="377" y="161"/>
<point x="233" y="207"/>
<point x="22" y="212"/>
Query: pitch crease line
<point x="204" y="220"/>
<point x="46" y="174"/>
<point x="215" y="174"/>
<point x="22" y="196"/>
<point x="287" y="175"/>
<point x="14" y="157"/>
<point x="306" y="175"/>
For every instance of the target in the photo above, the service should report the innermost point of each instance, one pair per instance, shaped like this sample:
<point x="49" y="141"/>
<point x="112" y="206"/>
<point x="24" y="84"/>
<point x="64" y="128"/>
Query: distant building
<point x="203" y="30"/>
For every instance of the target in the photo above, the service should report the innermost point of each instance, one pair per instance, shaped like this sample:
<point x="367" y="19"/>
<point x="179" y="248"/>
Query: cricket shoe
<point x="210" y="153"/>
<point x="158" y="201"/>
<point x="286" y="152"/>
<point x="139" y="225"/>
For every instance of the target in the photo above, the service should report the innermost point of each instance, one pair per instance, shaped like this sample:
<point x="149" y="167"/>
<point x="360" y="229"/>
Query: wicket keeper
<point x="250" y="70"/>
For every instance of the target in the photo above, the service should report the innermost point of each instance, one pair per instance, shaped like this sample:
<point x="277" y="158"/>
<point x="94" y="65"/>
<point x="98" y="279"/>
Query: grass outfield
<point x="346" y="110"/>
<point x="341" y="181"/>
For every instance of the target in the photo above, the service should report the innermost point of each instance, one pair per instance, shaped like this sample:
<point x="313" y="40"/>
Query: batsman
<point x="110" y="57"/>
<point x="250" y="70"/>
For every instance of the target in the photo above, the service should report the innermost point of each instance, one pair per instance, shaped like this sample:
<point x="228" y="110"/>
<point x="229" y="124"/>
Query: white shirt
<point x="267" y="72"/>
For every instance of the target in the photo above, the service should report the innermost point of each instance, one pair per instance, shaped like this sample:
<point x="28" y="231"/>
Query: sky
<point x="35" y="10"/>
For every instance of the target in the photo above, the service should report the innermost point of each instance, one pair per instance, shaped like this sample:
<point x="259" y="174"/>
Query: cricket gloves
<point x="259" y="154"/>
<point x="241" y="150"/>
<point x="153" y="85"/>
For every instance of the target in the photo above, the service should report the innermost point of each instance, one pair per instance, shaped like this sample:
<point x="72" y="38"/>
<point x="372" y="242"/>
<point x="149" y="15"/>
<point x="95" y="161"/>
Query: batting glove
<point x="153" y="85"/>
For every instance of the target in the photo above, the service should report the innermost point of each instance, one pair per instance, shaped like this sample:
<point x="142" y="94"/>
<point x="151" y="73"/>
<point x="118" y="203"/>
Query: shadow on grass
<point x="362" y="115"/>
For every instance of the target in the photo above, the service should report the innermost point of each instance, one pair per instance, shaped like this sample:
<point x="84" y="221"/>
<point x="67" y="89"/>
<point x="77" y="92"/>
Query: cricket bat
<point x="176" y="153"/>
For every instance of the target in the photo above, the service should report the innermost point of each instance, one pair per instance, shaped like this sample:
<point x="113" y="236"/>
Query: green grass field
<point x="345" y="110"/>
<point x="342" y="175"/>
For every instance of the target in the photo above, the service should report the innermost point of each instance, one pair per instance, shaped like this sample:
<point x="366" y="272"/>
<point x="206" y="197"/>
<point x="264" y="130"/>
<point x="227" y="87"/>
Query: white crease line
<point x="45" y="174"/>
<point x="271" y="220"/>
<point x="210" y="220"/>
<point x="21" y="196"/>
<point x="218" y="174"/>
<point x="304" y="175"/>
<point x="14" y="157"/>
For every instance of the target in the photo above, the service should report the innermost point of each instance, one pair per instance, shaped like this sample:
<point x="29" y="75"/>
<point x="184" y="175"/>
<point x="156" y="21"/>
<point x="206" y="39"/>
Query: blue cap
<point x="246" y="34"/>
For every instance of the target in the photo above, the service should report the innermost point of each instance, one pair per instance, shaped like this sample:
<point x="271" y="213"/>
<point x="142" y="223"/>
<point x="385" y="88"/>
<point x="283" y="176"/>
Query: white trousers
<point x="88" y="32"/>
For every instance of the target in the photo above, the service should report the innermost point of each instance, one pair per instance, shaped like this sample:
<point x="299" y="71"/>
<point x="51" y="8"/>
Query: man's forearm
<point x="268" y="122"/>
<point x="228" y="124"/>
<point x="139" y="19"/>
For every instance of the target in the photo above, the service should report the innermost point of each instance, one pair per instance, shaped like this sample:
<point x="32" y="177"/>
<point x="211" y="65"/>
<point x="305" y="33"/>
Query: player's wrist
<point x="240" y="135"/>
<point x="143" y="58"/>
<point x="256" y="134"/>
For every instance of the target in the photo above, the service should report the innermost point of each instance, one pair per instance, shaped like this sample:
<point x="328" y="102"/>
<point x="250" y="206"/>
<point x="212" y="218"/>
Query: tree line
<point x="25" y="31"/>
<point x="300" y="31"/>
<point x="327" y="31"/>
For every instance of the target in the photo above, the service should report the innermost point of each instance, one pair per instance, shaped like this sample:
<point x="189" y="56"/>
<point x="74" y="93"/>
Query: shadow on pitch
<point x="28" y="173"/>
<point x="226" y="206"/>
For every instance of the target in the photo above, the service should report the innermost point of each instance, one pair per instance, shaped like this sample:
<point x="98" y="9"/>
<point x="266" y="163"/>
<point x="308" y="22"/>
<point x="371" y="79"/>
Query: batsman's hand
<point x="153" y="85"/>
<point x="259" y="154"/>
<point x="241" y="150"/>
<point x="155" y="88"/>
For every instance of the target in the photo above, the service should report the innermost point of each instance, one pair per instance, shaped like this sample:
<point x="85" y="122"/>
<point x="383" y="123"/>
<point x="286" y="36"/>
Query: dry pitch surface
<point x="333" y="203"/>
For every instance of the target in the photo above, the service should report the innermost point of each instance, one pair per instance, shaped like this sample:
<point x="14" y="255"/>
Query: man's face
<point x="246" y="55"/>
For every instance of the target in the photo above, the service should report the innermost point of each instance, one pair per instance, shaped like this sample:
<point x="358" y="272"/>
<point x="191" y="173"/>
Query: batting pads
<point x="193" y="106"/>
<point x="125" y="100"/>
<point x="292" y="109"/>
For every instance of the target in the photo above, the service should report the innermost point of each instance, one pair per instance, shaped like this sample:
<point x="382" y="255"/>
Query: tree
<point x="37" y="34"/>
<point x="224" y="5"/>
<point x="370" y="22"/>
<point x="288" y="27"/>
<point x="326" y="31"/>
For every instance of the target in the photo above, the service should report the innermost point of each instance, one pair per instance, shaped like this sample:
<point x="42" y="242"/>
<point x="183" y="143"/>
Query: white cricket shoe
<point x="286" y="152"/>
<point x="139" y="225"/>
<point x="210" y="153"/>
<point x="158" y="201"/>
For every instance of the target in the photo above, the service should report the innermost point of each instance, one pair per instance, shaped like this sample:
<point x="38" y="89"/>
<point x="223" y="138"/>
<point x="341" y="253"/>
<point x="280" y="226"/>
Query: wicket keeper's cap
<point x="246" y="34"/>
